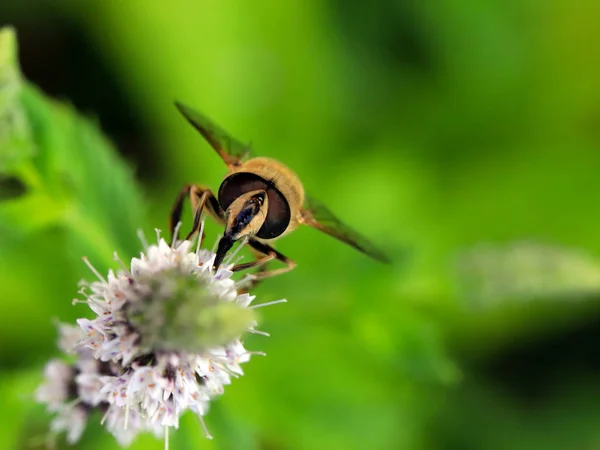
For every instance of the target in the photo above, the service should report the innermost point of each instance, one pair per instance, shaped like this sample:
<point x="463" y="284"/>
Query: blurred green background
<point x="461" y="136"/>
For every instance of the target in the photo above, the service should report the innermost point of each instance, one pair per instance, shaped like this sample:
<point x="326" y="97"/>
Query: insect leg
<point x="269" y="254"/>
<point x="176" y="210"/>
<point x="200" y="197"/>
<point x="258" y="262"/>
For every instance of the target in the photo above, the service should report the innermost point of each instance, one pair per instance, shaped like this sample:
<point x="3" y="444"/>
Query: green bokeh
<point x="430" y="127"/>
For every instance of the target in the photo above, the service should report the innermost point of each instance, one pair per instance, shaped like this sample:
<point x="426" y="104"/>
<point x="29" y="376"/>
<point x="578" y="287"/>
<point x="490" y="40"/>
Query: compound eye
<point x="278" y="214"/>
<point x="237" y="184"/>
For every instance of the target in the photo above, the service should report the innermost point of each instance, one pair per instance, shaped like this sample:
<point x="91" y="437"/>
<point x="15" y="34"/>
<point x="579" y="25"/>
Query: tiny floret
<point x="165" y="338"/>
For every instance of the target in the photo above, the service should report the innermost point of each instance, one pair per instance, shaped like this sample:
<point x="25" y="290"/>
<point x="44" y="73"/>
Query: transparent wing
<point x="318" y="216"/>
<point x="232" y="151"/>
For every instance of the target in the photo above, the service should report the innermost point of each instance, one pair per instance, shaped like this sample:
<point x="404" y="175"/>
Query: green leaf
<point x="64" y="193"/>
<point x="15" y="143"/>
<point x="73" y="177"/>
<point x="490" y="275"/>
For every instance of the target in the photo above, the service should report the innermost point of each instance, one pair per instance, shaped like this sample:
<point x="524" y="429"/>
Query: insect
<point x="260" y="199"/>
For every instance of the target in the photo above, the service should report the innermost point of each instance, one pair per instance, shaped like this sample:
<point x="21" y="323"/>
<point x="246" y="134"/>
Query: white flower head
<point x="55" y="391"/>
<point x="165" y="339"/>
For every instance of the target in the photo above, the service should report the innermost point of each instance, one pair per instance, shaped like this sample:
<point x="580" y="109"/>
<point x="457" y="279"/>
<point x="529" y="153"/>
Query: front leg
<point x="268" y="254"/>
<point x="200" y="196"/>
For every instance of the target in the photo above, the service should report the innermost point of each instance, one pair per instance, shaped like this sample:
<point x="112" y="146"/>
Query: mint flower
<point x="165" y="339"/>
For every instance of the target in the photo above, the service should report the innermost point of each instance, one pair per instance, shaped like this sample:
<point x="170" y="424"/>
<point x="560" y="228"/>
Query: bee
<point x="260" y="200"/>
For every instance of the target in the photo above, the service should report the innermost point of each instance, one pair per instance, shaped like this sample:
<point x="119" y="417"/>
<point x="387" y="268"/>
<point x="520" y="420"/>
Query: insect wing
<point x="232" y="151"/>
<point x="318" y="216"/>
